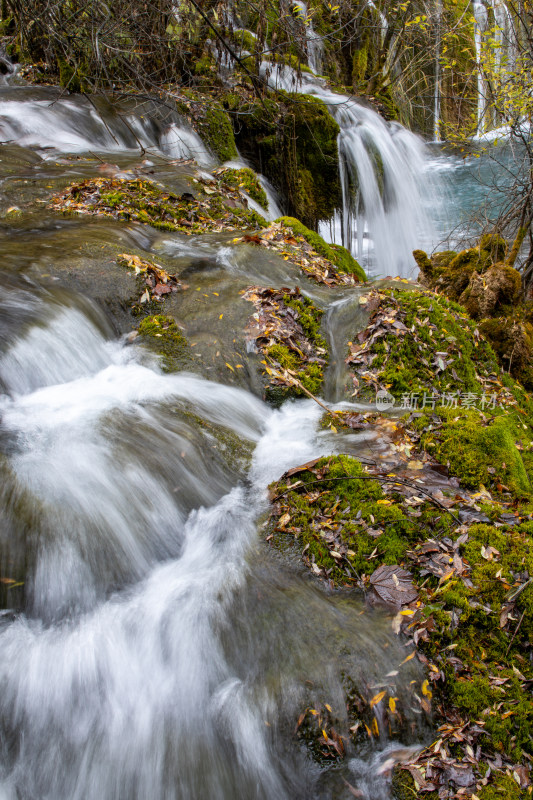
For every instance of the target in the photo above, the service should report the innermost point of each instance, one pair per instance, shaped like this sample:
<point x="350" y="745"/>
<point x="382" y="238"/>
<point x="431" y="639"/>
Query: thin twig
<point x="516" y="631"/>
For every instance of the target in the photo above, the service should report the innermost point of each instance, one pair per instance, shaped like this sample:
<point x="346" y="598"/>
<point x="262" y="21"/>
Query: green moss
<point x="162" y="335"/>
<point x="293" y="142"/>
<point x="308" y="371"/>
<point x="144" y="201"/>
<point x="215" y="128"/>
<point x="403" y="787"/>
<point x="495" y="245"/>
<point x="244" y="40"/>
<point x="339" y="256"/>
<point x="246" y="179"/>
<point x="73" y="78"/>
<point x="469" y="447"/>
<point x="504" y="787"/>
<point x="373" y="528"/>
<point x="408" y="363"/>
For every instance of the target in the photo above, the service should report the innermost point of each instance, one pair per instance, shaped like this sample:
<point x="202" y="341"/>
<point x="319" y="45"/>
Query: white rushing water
<point x="74" y="125"/>
<point x="385" y="184"/>
<point x="137" y="672"/>
<point x="314" y="43"/>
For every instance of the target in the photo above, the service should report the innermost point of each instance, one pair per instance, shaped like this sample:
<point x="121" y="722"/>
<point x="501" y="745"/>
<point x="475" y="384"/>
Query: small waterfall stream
<point x="153" y="645"/>
<point x="384" y="180"/>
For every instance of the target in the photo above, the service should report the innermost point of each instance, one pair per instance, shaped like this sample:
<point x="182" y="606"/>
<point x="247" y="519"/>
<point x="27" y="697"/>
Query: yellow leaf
<point x="221" y="316"/>
<point x="375" y="728"/>
<point x="229" y="366"/>
<point x="408" y="658"/>
<point x="378" y="698"/>
<point x="392" y="704"/>
<point x="426" y="690"/>
<point x="384" y="502"/>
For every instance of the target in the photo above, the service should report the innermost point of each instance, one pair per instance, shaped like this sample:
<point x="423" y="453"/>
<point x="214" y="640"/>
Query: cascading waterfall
<point x="314" y="43"/>
<point x="383" y="179"/>
<point x="492" y="17"/>
<point x="75" y="125"/>
<point x="156" y="661"/>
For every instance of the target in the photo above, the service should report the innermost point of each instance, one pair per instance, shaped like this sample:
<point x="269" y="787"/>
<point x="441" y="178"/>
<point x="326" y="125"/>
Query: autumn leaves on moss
<point x="147" y="202"/>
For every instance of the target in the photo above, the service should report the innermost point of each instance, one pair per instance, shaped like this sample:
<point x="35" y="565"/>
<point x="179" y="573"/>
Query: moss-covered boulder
<point x="211" y="121"/>
<point x="419" y="343"/>
<point x="487" y="294"/>
<point x="162" y="335"/>
<point x="340" y="257"/>
<point x="495" y="245"/>
<point x="512" y="341"/>
<point x="293" y="142"/>
<point x="337" y="512"/>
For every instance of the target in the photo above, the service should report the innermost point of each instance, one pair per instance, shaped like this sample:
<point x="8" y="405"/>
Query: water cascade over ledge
<point x="384" y="179"/>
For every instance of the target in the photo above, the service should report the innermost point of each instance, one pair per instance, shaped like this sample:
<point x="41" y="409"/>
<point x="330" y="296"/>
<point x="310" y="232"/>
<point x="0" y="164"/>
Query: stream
<point x="153" y="644"/>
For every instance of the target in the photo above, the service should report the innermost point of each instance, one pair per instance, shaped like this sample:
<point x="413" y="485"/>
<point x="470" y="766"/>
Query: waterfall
<point x="161" y="656"/>
<point x="76" y="125"/>
<point x="314" y="43"/>
<point x="492" y="18"/>
<point x="383" y="179"/>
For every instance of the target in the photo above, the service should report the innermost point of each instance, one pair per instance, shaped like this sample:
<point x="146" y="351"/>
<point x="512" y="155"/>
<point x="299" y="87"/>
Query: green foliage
<point x="339" y="256"/>
<point x="408" y="363"/>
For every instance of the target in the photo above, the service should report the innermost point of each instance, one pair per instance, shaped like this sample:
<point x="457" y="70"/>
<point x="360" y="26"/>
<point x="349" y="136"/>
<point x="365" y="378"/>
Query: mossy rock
<point x="486" y="295"/>
<point x="162" y="335"/>
<point x="409" y="363"/>
<point x="512" y="341"/>
<point x="292" y="140"/>
<point x="310" y="373"/>
<point x="148" y="202"/>
<point x="340" y="257"/>
<point x="423" y="262"/>
<point x="214" y="126"/>
<point x="246" y="179"/>
<point x="360" y="509"/>
<point x="470" y="446"/>
<point x="495" y="245"/>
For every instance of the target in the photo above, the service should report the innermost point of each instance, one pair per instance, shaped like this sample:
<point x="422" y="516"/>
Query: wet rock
<point x="486" y="294"/>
